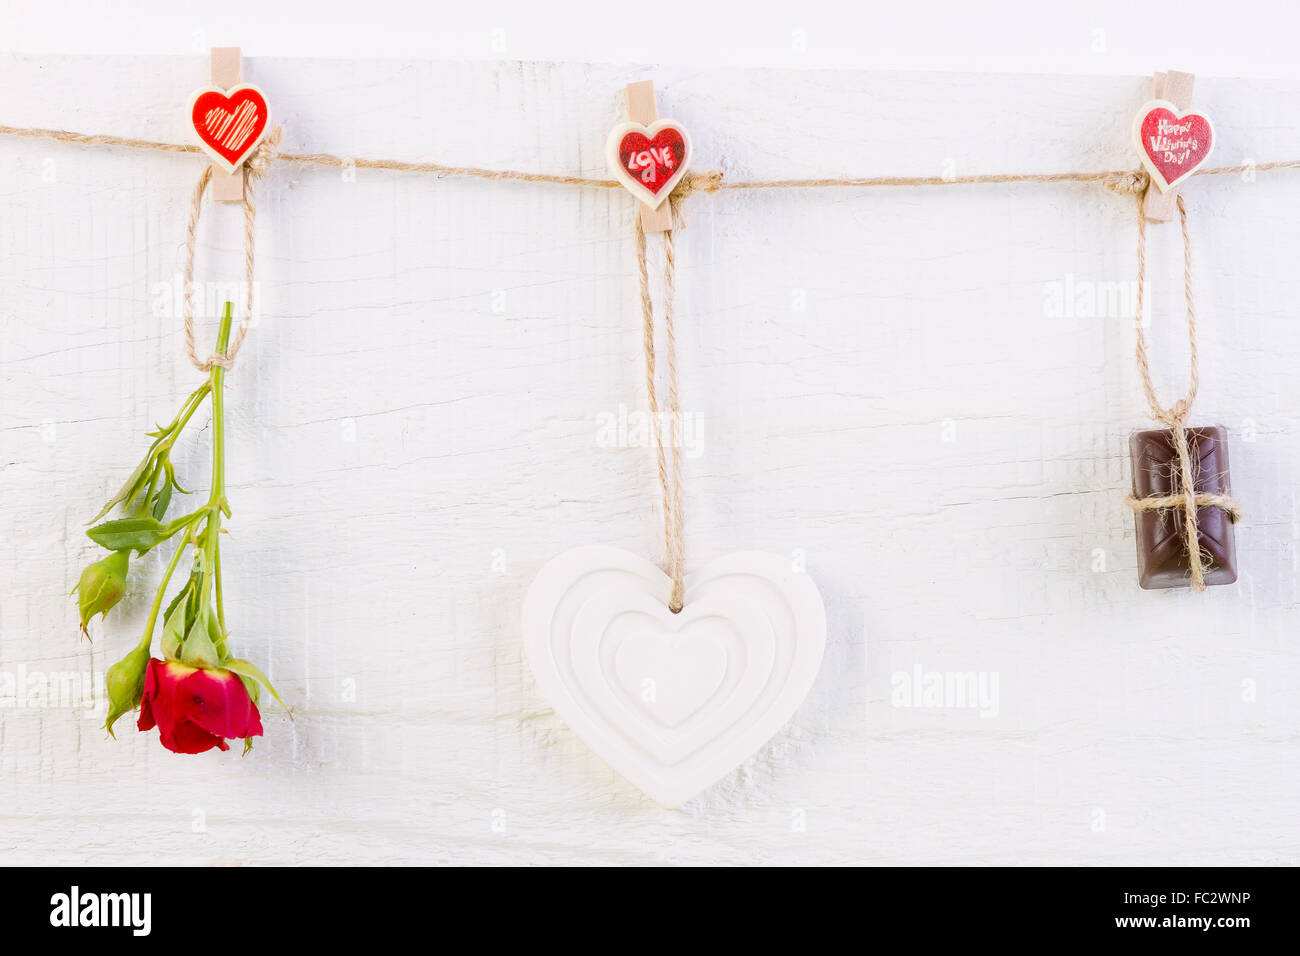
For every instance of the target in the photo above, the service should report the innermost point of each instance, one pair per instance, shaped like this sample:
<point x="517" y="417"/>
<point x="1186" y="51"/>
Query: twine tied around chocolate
<point x="1174" y="416"/>
<point x="254" y="168"/>
<point x="670" y="478"/>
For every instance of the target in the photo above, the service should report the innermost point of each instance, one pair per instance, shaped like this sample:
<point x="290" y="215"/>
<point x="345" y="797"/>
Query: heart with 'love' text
<point x="229" y="124"/>
<point x="649" y="160"/>
<point x="1172" y="144"/>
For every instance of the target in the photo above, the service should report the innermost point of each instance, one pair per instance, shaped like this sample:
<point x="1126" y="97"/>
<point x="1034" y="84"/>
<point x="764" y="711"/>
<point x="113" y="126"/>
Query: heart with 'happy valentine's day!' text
<point x="229" y="124"/>
<point x="1172" y="144"/>
<point x="649" y="160"/>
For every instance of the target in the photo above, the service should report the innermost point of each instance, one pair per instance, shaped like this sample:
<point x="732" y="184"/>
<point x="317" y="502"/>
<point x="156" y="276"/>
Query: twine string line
<point x="1174" y="416"/>
<point x="668" y="462"/>
<point x="1121" y="181"/>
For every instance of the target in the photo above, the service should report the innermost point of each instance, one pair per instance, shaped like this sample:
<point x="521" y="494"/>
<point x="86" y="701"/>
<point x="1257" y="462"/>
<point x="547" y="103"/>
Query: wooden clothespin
<point x="227" y="72"/>
<point x="642" y="108"/>
<point x="1176" y="88"/>
<point x="229" y="119"/>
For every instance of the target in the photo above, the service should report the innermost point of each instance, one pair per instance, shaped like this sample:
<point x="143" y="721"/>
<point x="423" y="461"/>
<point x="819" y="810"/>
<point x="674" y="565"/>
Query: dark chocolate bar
<point x="1161" y="536"/>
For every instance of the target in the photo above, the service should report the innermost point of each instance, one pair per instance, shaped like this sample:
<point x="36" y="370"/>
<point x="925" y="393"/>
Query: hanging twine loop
<point x="1174" y="417"/>
<point x="669" y="463"/>
<point x="255" y="168"/>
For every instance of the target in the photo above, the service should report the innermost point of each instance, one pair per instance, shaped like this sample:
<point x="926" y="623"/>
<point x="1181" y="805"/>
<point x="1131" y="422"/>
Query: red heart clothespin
<point x="229" y="118"/>
<point x="649" y="156"/>
<point x="649" y="160"/>
<point x="1171" y="140"/>
<point x="230" y="123"/>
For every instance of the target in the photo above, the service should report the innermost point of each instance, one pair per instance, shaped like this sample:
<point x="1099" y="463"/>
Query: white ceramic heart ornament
<point x="673" y="702"/>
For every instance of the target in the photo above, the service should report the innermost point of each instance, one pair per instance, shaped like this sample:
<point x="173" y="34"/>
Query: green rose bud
<point x="101" y="586"/>
<point x="125" y="683"/>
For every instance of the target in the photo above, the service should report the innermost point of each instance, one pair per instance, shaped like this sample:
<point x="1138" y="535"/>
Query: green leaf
<point x="162" y="500"/>
<point x="159" y="451"/>
<point x="145" y="495"/>
<point x="134" y="534"/>
<point x="180" y="596"/>
<point x="133" y="486"/>
<point x="245" y="669"/>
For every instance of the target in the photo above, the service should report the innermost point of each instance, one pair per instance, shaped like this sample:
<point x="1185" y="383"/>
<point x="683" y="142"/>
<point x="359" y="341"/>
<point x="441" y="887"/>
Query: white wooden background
<point x="416" y="430"/>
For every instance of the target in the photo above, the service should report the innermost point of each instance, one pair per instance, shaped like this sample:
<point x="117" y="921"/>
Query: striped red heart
<point x="230" y="124"/>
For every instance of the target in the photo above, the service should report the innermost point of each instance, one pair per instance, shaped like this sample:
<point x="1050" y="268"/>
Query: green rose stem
<point x="217" y="497"/>
<point x="217" y="501"/>
<point x="147" y="639"/>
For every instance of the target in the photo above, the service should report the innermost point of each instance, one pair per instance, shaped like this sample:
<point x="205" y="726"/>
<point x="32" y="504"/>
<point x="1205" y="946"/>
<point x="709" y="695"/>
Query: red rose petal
<point x="188" y="738"/>
<point x="146" y="721"/>
<point x="217" y="701"/>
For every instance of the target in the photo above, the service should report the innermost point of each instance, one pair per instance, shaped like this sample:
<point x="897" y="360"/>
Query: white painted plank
<point x="423" y="396"/>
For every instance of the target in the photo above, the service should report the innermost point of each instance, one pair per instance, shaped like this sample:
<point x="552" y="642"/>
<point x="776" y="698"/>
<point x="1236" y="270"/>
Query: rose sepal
<point x="247" y="669"/>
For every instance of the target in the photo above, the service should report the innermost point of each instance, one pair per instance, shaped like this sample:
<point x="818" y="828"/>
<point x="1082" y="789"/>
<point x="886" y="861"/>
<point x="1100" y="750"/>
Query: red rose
<point x="195" y="708"/>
